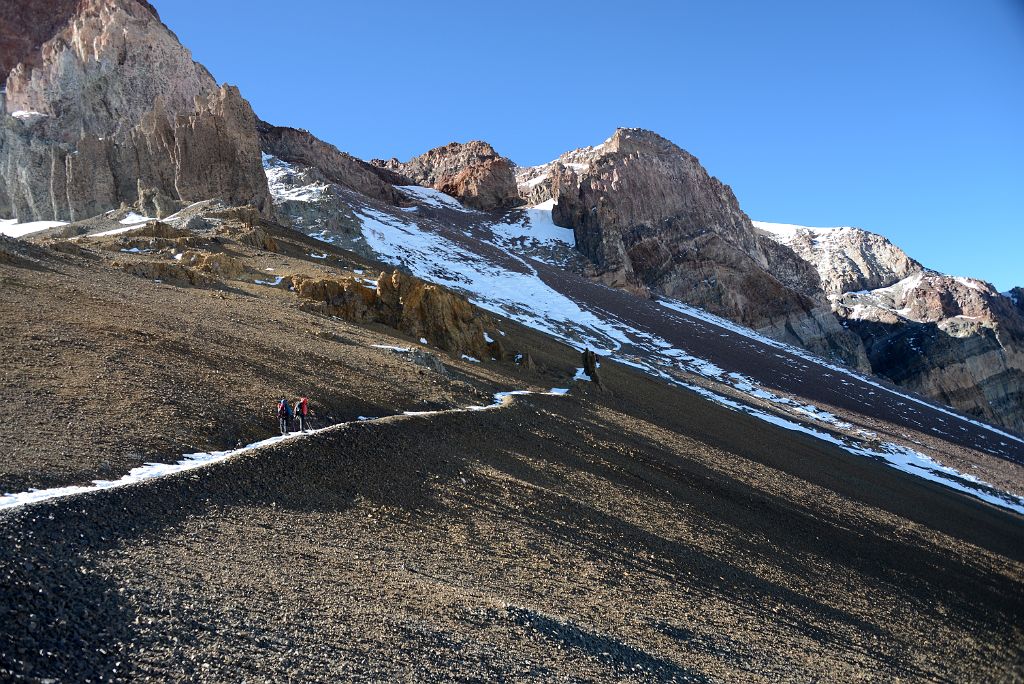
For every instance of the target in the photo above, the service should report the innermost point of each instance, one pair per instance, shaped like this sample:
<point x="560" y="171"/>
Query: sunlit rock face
<point x="110" y="108"/>
<point x="653" y="221"/>
<point x="956" y="340"/>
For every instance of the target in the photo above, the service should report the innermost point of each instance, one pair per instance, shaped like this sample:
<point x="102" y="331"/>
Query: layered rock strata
<point x="955" y="340"/>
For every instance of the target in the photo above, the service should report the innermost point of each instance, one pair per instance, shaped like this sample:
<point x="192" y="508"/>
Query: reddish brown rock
<point x="471" y="172"/>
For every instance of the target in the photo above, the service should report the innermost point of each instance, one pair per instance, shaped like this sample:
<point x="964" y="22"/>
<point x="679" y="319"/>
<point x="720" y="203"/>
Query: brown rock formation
<point x="471" y="172"/>
<point x="955" y="340"/>
<point x="302" y="147"/>
<point x="651" y="219"/>
<point x="113" y="110"/>
<point x="406" y="303"/>
<point x="846" y="259"/>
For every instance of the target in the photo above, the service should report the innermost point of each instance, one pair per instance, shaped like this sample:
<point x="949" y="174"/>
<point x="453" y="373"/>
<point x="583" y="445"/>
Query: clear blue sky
<point x="906" y="118"/>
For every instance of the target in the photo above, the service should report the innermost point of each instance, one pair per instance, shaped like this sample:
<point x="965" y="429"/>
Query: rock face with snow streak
<point x="956" y="340"/>
<point x="652" y="220"/>
<point x="847" y="259"/>
<point x="302" y="147"/>
<point x="111" y="109"/>
<point x="471" y="172"/>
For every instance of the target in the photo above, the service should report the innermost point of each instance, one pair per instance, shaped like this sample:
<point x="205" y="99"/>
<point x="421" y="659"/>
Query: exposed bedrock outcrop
<point x="302" y="147"/>
<point x="471" y="172"/>
<point x="847" y="259"/>
<point x="955" y="340"/>
<point x="404" y="302"/>
<point x="111" y="109"/>
<point x="981" y="374"/>
<point x="652" y="220"/>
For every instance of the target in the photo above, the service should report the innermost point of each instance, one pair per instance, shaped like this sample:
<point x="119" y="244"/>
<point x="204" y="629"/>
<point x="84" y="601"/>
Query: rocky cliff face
<point x="652" y="220"/>
<point x="302" y="147"/>
<point x="25" y="26"/>
<point x="471" y="172"/>
<point x="846" y="259"/>
<point x="111" y="109"/>
<point x="956" y="340"/>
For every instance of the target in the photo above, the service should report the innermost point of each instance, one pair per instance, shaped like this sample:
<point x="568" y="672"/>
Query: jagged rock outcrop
<point x="471" y="172"/>
<point x="955" y="340"/>
<point x="302" y="147"/>
<point x="846" y="259"/>
<point x="111" y="109"/>
<point x="652" y="220"/>
<point x="406" y="303"/>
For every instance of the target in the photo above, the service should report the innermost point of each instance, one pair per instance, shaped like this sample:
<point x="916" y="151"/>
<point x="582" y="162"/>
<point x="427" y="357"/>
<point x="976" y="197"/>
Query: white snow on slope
<point x="282" y="188"/>
<point x="11" y="227"/>
<point x="432" y="197"/>
<point x="537" y="228"/>
<point x="521" y="296"/>
<point x="26" y="115"/>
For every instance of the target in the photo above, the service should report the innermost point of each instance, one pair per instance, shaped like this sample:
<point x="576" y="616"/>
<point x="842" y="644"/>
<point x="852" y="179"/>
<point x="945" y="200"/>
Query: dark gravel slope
<point x="641" y="534"/>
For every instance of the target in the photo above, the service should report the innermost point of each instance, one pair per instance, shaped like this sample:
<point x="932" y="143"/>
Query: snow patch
<point x="11" y="227"/>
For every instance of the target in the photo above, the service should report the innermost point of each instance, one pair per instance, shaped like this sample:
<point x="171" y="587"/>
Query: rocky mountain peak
<point x="472" y="172"/>
<point x="847" y="259"/>
<point x="652" y="220"/>
<point x="101" y="72"/>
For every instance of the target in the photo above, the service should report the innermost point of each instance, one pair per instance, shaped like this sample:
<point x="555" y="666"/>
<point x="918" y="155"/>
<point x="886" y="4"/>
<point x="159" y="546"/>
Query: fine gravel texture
<point x="634" y="534"/>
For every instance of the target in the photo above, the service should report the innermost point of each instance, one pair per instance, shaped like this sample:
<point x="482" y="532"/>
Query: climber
<point x="302" y="413"/>
<point x="284" y="415"/>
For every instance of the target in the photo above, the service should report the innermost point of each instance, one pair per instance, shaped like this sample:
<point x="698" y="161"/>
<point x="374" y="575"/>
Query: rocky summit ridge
<point x="652" y="220"/>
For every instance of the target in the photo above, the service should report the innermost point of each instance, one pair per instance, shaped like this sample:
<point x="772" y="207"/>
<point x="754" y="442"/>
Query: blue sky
<point x="905" y="118"/>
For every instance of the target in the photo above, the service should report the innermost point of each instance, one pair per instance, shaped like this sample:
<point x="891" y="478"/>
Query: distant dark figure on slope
<point x="302" y="413"/>
<point x="284" y="415"/>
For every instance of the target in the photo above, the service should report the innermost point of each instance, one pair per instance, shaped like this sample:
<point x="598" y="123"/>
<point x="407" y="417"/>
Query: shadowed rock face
<point x="652" y="220"/>
<point x="471" y="172"/>
<point x="956" y="340"/>
<point x="111" y="110"/>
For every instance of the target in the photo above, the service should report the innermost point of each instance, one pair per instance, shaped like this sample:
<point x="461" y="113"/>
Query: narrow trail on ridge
<point x="202" y="459"/>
